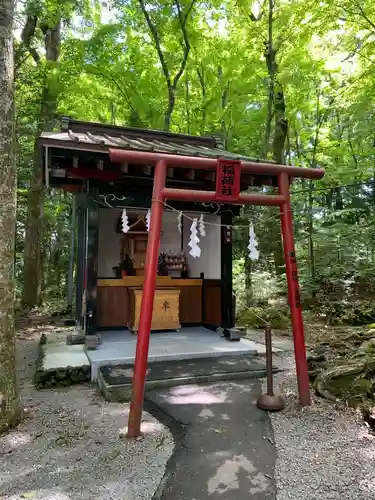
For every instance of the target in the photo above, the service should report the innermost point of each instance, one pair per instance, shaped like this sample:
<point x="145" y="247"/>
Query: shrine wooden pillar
<point x="227" y="309"/>
<point x="81" y="252"/>
<point x="92" y="263"/>
<point x="87" y="262"/>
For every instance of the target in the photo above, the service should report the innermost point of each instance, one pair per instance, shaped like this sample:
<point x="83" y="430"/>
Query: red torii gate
<point x="160" y="194"/>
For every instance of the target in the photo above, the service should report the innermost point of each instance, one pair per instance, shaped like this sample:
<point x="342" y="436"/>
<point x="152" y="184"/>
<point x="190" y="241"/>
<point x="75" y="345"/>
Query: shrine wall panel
<point x="109" y="242"/>
<point x="113" y="306"/>
<point x="212" y="302"/>
<point x="109" y="248"/>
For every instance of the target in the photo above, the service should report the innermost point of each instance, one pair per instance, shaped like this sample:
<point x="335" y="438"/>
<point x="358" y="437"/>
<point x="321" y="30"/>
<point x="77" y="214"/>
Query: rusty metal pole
<point x="270" y="401"/>
<point x="269" y="361"/>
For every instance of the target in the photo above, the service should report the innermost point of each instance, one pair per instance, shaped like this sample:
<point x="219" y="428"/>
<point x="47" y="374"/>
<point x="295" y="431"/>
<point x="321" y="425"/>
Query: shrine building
<point x="190" y="290"/>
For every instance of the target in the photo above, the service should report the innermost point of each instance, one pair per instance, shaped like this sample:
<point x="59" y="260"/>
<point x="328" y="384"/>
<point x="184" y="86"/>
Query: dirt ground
<point x="68" y="446"/>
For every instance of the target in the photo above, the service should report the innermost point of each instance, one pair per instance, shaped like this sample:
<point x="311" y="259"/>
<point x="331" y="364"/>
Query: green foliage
<point x="353" y="389"/>
<point x="110" y="71"/>
<point x="354" y="312"/>
<point x="266" y="286"/>
<point x="261" y="316"/>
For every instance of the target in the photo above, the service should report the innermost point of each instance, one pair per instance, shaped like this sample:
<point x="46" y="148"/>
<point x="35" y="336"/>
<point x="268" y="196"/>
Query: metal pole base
<point x="270" y="403"/>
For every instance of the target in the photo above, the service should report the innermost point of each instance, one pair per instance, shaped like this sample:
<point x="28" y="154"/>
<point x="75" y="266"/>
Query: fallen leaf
<point x="28" y="494"/>
<point x="123" y="432"/>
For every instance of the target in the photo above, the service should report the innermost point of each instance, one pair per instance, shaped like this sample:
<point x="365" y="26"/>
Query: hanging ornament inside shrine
<point x="179" y="222"/>
<point x="253" y="244"/>
<point x="194" y="240"/>
<point x="148" y="220"/>
<point x="124" y="221"/>
<point x="202" y="227"/>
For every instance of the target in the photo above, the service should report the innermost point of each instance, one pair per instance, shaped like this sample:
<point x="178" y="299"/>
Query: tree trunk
<point x="10" y="405"/>
<point x="34" y="226"/>
<point x="279" y="138"/>
<point x="273" y="110"/>
<point x="201" y="76"/>
<point x="270" y="56"/>
<point x="281" y="125"/>
<point x="339" y="202"/>
<point x="187" y="102"/>
<point x="329" y="199"/>
<point x="248" y="281"/>
<point x="310" y="232"/>
<point x="72" y="255"/>
<point x="310" y="201"/>
<point x="57" y="259"/>
<point x="171" y="82"/>
<point x="224" y="99"/>
<point x="170" y="108"/>
<point x="32" y="257"/>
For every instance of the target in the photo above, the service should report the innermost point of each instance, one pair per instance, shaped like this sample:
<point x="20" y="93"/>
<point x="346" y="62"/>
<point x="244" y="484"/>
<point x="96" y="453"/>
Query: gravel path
<point x="68" y="446"/>
<point x="323" y="452"/>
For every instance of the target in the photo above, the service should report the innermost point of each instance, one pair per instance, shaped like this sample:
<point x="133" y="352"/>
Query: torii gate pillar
<point x="293" y="292"/>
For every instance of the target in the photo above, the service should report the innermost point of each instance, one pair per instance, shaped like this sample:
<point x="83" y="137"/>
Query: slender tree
<point x="172" y="82"/>
<point x="10" y="408"/>
<point x="46" y="120"/>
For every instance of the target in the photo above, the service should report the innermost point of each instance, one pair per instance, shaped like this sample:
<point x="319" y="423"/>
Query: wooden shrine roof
<point x="85" y="151"/>
<point x="87" y="136"/>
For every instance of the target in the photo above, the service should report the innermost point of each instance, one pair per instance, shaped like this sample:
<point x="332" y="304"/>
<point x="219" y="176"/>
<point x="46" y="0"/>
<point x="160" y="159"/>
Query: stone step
<point x="115" y="381"/>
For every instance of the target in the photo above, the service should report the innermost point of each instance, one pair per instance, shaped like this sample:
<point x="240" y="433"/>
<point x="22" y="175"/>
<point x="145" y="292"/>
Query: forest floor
<point x="325" y="451"/>
<point x="68" y="446"/>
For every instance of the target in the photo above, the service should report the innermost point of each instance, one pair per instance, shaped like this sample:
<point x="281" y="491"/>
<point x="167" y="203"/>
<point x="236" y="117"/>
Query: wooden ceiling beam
<point x="87" y="173"/>
<point x="147" y="169"/>
<point x="190" y="174"/>
<point x="71" y="188"/>
<point x="210" y="177"/>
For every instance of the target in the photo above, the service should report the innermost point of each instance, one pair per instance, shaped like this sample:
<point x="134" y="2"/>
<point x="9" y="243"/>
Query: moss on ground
<point x="260" y="316"/>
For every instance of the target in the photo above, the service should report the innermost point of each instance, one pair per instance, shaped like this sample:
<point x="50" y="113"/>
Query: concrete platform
<point x="118" y="347"/>
<point x="115" y="381"/>
<point x="61" y="365"/>
<point x="60" y="355"/>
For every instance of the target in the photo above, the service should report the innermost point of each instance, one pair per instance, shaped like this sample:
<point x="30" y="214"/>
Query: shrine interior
<point x="181" y="278"/>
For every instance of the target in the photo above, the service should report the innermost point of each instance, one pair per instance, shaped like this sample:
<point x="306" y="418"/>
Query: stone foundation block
<point x="92" y="342"/>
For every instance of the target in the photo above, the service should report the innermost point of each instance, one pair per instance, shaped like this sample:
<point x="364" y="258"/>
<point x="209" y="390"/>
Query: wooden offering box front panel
<point x="165" y="314"/>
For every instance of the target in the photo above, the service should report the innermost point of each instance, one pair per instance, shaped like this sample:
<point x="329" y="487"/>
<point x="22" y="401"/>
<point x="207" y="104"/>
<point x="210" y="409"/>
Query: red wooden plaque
<point x="228" y="179"/>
